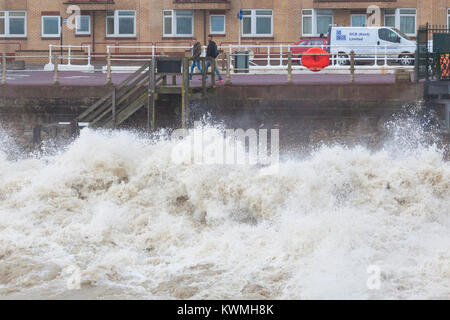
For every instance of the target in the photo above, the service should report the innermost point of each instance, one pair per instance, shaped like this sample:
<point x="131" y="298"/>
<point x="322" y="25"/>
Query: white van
<point x="368" y="40"/>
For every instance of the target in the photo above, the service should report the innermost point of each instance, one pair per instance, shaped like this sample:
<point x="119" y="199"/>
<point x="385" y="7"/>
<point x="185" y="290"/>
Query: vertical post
<point x="228" y="73"/>
<point x="69" y="53"/>
<point x="4" y="68"/>
<point x="151" y="114"/>
<point x="352" y="66"/>
<point x="385" y="56"/>
<point x="37" y="135"/>
<point x="213" y="72"/>
<point x="203" y="77"/>
<point x="268" y="55"/>
<point x="89" y="55"/>
<point x="289" y="67"/>
<point x="185" y="94"/>
<point x="56" y="76"/>
<point x="113" y="100"/>
<point x="108" y="68"/>
<point x="74" y="129"/>
<point x="281" y="55"/>
<point x="174" y="80"/>
<point x="376" y="56"/>
<point x="416" y="67"/>
<point x="50" y="56"/>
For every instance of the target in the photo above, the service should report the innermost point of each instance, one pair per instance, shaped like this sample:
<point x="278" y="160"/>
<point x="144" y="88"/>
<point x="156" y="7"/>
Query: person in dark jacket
<point x="212" y="52"/>
<point x="196" y="52"/>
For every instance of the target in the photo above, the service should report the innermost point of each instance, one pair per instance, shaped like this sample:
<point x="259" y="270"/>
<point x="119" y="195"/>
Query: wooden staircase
<point x="122" y="102"/>
<point x="143" y="88"/>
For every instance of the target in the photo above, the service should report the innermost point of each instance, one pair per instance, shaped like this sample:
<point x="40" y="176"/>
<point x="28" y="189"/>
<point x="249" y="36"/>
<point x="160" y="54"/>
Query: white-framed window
<point x="257" y="23"/>
<point x="217" y="24"/>
<point x="178" y="23"/>
<point x="389" y="18"/>
<point x="83" y="24"/>
<point x="448" y="18"/>
<point x="51" y="26"/>
<point x="316" y="21"/>
<point x="121" y="23"/>
<point x="358" y="20"/>
<point x="13" y="24"/>
<point x="403" y="19"/>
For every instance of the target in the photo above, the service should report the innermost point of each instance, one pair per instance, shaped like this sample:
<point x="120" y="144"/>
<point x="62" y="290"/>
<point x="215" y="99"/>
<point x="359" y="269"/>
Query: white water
<point x="115" y="210"/>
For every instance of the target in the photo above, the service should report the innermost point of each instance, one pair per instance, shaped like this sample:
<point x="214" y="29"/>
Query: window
<point x="448" y="18"/>
<point x="307" y="22"/>
<point x="317" y="43"/>
<point x="303" y="43"/>
<point x="358" y="20"/>
<point x="83" y="24"/>
<point x="217" y="24"/>
<point x="389" y="18"/>
<point x="408" y="21"/>
<point x="324" y="19"/>
<point x="257" y="23"/>
<point x="403" y="19"/>
<point x="121" y="23"/>
<point x="178" y="23"/>
<point x="316" y="22"/>
<point x="51" y="26"/>
<point x="387" y="35"/>
<point x="13" y="24"/>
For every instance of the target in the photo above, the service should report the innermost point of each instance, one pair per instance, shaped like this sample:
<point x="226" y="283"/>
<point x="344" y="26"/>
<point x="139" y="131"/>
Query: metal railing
<point x="271" y="59"/>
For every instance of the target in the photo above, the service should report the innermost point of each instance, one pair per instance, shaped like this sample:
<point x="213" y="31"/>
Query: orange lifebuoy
<point x="315" y="59"/>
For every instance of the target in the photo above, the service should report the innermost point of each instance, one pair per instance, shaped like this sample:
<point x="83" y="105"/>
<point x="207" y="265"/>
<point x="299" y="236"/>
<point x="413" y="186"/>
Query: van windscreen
<point x="401" y="33"/>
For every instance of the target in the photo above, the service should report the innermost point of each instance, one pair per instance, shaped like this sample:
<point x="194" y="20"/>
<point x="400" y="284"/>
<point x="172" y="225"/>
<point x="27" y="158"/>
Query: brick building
<point x="31" y="25"/>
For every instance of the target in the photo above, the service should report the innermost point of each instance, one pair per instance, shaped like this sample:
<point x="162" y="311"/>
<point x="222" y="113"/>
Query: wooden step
<point x="127" y="112"/>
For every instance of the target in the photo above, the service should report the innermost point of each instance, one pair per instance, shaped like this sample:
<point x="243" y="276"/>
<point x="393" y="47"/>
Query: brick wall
<point x="287" y="20"/>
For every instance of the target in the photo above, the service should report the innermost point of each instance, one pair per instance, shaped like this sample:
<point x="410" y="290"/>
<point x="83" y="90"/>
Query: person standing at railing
<point x="196" y="52"/>
<point x="212" y="52"/>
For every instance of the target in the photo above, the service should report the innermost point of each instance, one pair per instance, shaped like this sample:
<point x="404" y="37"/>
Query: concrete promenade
<point x="73" y="78"/>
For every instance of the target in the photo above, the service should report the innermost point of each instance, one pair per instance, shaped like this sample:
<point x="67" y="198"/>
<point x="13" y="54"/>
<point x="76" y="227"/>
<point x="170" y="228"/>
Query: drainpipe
<point x="204" y="26"/>
<point x="93" y="31"/>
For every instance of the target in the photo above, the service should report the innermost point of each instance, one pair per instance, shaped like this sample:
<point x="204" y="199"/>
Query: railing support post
<point x="108" y="70"/>
<point x="281" y="55"/>
<point x="56" y="75"/>
<point x="69" y="53"/>
<point x="213" y="72"/>
<point x="50" y="55"/>
<point x="203" y="76"/>
<point x="289" y="67"/>
<point x="151" y="114"/>
<point x="352" y="66"/>
<point x="376" y="56"/>
<point x="4" y="68"/>
<point x="89" y="55"/>
<point x="228" y="74"/>
<point x="185" y="94"/>
<point x="416" y="67"/>
<point x="113" y="98"/>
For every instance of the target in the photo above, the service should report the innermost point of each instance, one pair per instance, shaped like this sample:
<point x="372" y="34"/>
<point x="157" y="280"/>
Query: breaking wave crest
<point x="113" y="212"/>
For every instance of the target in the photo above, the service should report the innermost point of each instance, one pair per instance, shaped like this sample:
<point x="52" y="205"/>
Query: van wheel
<point x="406" y="59"/>
<point x="342" y="59"/>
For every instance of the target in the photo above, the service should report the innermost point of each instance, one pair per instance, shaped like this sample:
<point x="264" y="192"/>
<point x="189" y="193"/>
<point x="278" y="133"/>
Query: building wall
<point x="287" y="20"/>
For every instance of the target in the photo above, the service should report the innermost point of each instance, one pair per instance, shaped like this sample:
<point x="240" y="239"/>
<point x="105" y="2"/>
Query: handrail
<point x="126" y="81"/>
